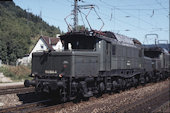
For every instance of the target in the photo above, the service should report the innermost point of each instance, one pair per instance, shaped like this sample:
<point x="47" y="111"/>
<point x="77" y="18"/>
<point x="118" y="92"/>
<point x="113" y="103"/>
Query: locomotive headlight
<point x="60" y="75"/>
<point x="33" y="75"/>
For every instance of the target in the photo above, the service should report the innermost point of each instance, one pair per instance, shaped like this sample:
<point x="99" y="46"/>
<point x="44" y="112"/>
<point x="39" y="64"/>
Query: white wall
<point x="40" y="46"/>
<point x="58" y="46"/>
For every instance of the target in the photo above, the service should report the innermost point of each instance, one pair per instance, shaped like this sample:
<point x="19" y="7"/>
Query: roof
<point x="156" y="48"/>
<point x="124" y="39"/>
<point x="108" y="36"/>
<point x="164" y="46"/>
<point x="50" y="41"/>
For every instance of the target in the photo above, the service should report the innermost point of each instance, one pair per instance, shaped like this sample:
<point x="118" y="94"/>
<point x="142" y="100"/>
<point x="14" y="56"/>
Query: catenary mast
<point x="75" y="12"/>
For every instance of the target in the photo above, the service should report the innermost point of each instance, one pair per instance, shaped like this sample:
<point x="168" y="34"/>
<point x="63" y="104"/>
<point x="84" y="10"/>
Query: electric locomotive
<point x="160" y="62"/>
<point x="91" y="63"/>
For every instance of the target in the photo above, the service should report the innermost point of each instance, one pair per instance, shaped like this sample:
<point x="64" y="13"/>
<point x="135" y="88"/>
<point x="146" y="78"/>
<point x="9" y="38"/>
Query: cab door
<point x="108" y="56"/>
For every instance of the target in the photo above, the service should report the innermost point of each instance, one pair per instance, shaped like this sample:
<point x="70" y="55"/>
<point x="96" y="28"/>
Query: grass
<point x="16" y="73"/>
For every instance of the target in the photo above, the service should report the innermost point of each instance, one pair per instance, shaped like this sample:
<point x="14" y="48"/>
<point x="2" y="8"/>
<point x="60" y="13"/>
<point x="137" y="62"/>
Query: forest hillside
<point x="19" y="31"/>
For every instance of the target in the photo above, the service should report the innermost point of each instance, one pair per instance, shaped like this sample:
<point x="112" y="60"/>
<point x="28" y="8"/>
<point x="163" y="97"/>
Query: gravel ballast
<point x="9" y="100"/>
<point x="106" y="103"/>
<point x="113" y="102"/>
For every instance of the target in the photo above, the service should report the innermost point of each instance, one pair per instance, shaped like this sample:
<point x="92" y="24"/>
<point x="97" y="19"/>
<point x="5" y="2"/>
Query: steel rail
<point x="25" y="107"/>
<point x="11" y="86"/>
<point x="16" y="90"/>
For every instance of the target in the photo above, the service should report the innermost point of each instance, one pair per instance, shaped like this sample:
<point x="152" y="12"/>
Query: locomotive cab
<point x="53" y="71"/>
<point x="160" y="61"/>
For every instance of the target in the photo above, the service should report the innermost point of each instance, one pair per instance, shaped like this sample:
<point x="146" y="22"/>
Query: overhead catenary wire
<point x="166" y="9"/>
<point x="131" y="5"/>
<point x="114" y="18"/>
<point x="122" y="21"/>
<point x="122" y="10"/>
<point x="127" y="13"/>
<point x="143" y="9"/>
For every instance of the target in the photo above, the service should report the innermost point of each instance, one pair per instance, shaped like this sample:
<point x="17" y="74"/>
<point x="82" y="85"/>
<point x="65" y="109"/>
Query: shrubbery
<point x="16" y="73"/>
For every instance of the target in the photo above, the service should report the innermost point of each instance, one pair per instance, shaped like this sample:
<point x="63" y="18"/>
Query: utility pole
<point x="75" y="13"/>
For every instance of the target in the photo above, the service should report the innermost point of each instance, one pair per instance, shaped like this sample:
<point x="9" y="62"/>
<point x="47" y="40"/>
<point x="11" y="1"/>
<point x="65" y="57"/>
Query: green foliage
<point x="16" y="72"/>
<point x="17" y="29"/>
<point x="6" y="72"/>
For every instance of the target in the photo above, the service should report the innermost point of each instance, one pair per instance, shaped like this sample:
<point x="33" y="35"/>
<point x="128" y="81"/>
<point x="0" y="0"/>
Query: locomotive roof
<point x="105" y="35"/>
<point x="157" y="49"/>
<point x="122" y="38"/>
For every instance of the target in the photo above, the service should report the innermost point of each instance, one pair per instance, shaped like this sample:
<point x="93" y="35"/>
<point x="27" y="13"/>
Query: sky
<point x="140" y="19"/>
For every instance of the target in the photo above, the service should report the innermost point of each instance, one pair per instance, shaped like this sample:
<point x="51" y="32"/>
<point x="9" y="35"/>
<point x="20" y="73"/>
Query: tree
<point x="16" y="31"/>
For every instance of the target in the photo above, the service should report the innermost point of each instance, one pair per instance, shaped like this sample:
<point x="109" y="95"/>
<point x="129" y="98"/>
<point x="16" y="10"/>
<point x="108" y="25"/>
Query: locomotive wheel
<point x="115" y="86"/>
<point x="63" y="94"/>
<point x="127" y="84"/>
<point x="144" y="82"/>
<point x="147" y="79"/>
<point x="123" y="85"/>
<point x="78" y="97"/>
<point x="161" y="76"/>
<point x="101" y="89"/>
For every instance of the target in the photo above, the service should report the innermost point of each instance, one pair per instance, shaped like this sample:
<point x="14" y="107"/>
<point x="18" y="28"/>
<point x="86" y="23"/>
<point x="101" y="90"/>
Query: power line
<point x="144" y="9"/>
<point x="130" y="5"/>
<point x="123" y="21"/>
<point x="161" y="5"/>
<point x="126" y="13"/>
<point x="110" y="19"/>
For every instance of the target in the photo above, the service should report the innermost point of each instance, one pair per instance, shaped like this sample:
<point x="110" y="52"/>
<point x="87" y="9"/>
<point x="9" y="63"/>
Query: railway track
<point x="147" y="104"/>
<point x="165" y="108"/>
<point x="52" y="109"/>
<point x="44" y="106"/>
<point x="36" y="107"/>
<point x="55" y="108"/>
<point x="51" y="106"/>
<point x="15" y="89"/>
<point x="25" y="107"/>
<point x="133" y="108"/>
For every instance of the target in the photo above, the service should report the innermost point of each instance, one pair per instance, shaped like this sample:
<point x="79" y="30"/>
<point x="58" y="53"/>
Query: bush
<point x="16" y="73"/>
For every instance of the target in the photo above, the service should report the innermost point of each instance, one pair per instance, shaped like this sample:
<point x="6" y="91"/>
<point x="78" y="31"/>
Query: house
<point x="43" y="44"/>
